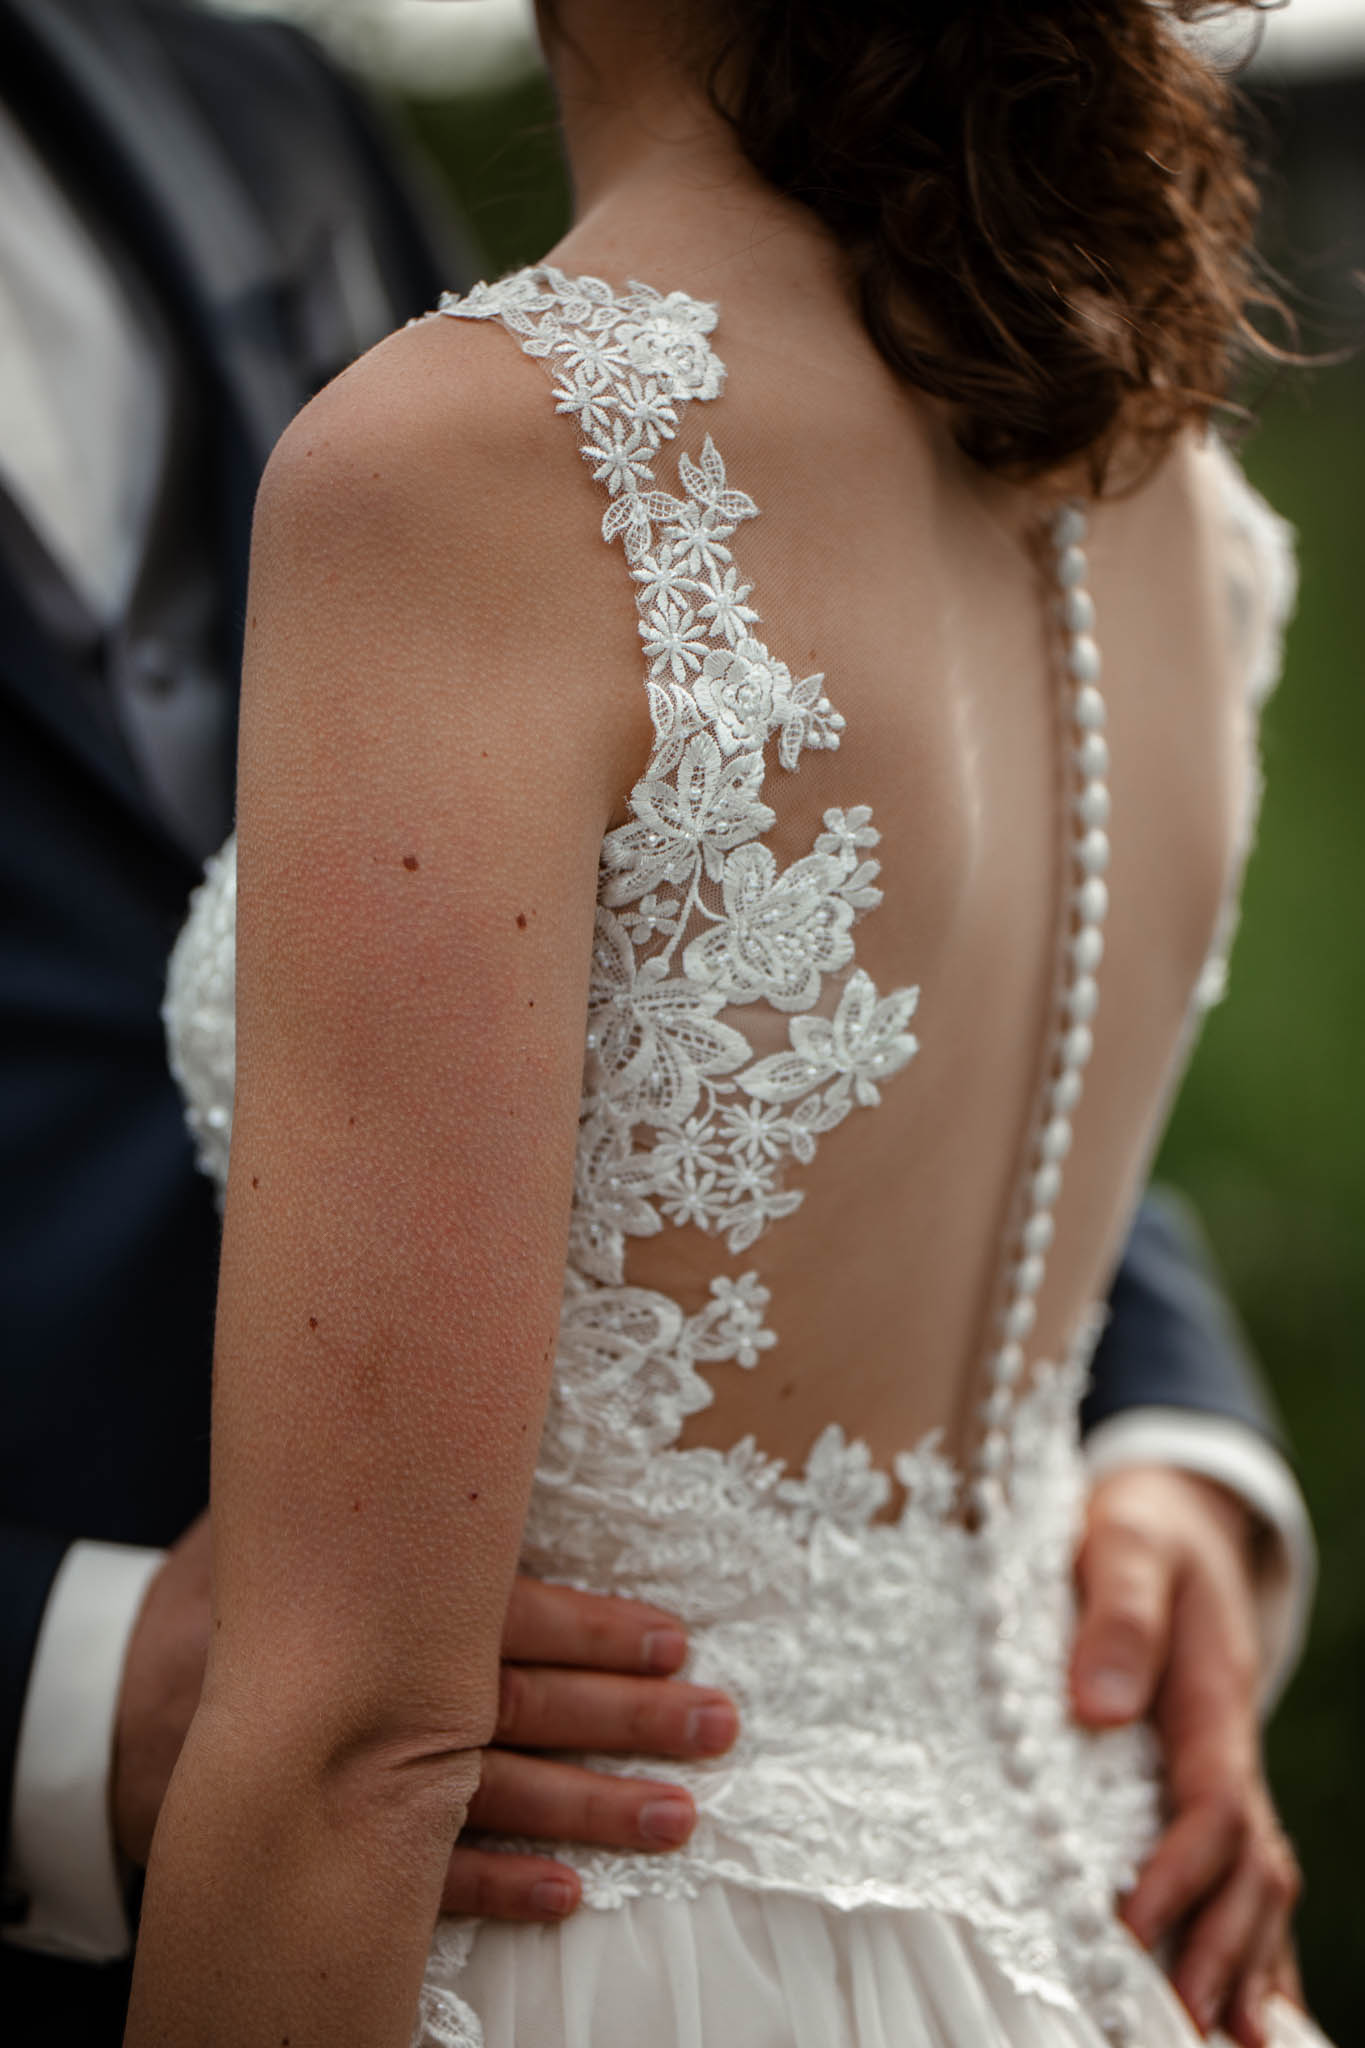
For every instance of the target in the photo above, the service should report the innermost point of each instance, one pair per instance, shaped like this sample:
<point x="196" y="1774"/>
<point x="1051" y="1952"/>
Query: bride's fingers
<point x="507" y="1887"/>
<point x="1197" y="1853"/>
<point x="545" y="1708"/>
<point x="558" y="1625"/>
<point x="556" y="1802"/>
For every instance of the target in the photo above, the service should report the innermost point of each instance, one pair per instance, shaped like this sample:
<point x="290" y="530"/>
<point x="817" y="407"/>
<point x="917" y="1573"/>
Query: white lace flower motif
<point x="683" y="1169"/>
<point x="808" y="719"/>
<point x="675" y="640"/>
<point x="668" y="337"/>
<point x="594" y="354"/>
<point x="782" y="932"/>
<point x="584" y="394"/>
<point x="654" y="1034"/>
<point x="858" y="1048"/>
<point x="652" y="917"/>
<point x="706" y="485"/>
<point x="839" y="1484"/>
<point x="927" y="1475"/>
<point x="609" y="1335"/>
<point x="744" y="1222"/>
<point x="611" y="1183"/>
<point x="846" y="833"/>
<point x="676" y="717"/>
<point x="622" y="455"/>
<point x="662" y="579"/>
<point x="748" y="1180"/>
<point x="709" y="806"/>
<point x="650" y="407"/>
<point x="731" y="1326"/>
<point x="738" y="690"/>
<point x="726" y="605"/>
<point x="755" y="1130"/>
<point x="701" y="525"/>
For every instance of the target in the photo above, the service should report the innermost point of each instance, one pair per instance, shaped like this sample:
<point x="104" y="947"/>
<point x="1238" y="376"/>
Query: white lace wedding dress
<point x="911" y="1846"/>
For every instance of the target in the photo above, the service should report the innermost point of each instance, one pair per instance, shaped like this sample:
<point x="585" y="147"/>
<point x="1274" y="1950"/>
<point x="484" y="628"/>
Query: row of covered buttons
<point x="1082" y="1909"/>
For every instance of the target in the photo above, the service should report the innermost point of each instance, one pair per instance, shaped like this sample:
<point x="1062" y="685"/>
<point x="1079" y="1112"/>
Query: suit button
<point x="155" y="670"/>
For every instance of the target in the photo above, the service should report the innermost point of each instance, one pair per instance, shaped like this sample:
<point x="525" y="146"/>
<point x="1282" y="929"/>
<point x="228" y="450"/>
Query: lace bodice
<point x="905" y="1734"/>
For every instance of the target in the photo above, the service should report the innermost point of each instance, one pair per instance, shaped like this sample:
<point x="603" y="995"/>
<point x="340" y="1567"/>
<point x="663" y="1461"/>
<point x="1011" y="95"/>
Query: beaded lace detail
<point x="681" y="1123"/>
<point x="905" y="1738"/>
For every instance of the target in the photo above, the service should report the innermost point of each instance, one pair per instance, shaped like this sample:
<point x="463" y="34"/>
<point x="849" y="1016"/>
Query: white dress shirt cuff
<point x="1247" y="1465"/>
<point x="62" y="1854"/>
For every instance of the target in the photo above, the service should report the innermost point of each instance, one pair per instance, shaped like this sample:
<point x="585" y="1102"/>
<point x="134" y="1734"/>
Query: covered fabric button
<point x="1092" y="756"/>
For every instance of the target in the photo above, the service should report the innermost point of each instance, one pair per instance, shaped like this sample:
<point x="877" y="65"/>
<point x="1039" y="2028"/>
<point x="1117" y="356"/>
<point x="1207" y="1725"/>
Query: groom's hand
<point x="1167" y="1628"/>
<point x="579" y="1673"/>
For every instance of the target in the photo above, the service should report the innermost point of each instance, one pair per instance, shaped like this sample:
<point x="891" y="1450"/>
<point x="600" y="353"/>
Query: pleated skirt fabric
<point x="740" y="1969"/>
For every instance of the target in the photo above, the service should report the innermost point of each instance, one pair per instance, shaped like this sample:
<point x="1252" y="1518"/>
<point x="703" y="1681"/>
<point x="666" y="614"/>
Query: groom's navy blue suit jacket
<point x="229" y="164"/>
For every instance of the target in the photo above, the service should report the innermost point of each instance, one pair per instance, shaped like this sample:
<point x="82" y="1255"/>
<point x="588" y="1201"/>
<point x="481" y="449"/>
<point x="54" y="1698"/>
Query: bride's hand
<point x="579" y="1673"/>
<point x="1168" y="1628"/>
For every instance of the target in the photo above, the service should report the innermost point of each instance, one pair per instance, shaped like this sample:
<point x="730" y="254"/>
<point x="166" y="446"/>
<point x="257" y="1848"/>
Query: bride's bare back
<point x="922" y="591"/>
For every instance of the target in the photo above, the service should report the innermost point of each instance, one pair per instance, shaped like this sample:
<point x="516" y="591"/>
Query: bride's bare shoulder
<point x="431" y="500"/>
<point x="442" y="416"/>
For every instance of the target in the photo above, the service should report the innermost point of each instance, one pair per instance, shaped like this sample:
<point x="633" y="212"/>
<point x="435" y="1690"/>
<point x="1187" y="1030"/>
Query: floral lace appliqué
<point x="697" y="919"/>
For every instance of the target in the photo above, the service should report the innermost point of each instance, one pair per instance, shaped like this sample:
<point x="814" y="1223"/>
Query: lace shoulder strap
<point x="624" y="366"/>
<point x="696" y="917"/>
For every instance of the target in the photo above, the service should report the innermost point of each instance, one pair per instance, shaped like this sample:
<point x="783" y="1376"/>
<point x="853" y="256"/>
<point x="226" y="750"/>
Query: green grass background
<point x="1268" y="1138"/>
<point x="1269" y="1141"/>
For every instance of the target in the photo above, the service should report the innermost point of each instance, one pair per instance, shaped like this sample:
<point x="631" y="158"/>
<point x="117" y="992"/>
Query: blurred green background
<point x="1269" y="1135"/>
<point x="1269" y="1142"/>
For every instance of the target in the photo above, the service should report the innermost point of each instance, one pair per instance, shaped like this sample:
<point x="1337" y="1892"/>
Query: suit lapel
<point x="99" y="91"/>
<point x="197" y="225"/>
<point x="34" y="672"/>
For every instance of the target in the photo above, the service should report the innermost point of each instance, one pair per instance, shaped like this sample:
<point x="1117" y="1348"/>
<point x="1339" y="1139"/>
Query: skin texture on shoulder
<point x="429" y="757"/>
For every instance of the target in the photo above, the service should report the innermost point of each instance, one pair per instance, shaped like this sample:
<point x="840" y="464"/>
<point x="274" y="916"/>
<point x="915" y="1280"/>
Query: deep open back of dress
<point x="863" y="938"/>
<point x="852" y="870"/>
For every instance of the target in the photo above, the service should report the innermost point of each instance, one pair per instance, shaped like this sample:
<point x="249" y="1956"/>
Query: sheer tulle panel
<point x="770" y="1971"/>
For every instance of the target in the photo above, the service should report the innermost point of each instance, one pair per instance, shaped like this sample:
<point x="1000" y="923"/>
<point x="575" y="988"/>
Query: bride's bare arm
<point x="429" y="758"/>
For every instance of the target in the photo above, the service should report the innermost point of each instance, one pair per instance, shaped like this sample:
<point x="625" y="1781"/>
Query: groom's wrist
<point x="65" y="1882"/>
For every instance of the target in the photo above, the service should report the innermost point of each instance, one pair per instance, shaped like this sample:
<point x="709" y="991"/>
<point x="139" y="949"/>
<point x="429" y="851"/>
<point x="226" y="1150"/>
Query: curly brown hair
<point x="1046" y="204"/>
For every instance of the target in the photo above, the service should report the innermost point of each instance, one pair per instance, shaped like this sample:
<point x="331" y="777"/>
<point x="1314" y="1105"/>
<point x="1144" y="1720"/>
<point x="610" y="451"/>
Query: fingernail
<point x="1111" y="1690"/>
<point x="666" y="1820"/>
<point x="552" y="1896"/>
<point x="1254" y="2004"/>
<point x="1205" y="2006"/>
<point x="664" y="1649"/>
<point x="712" y="1729"/>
